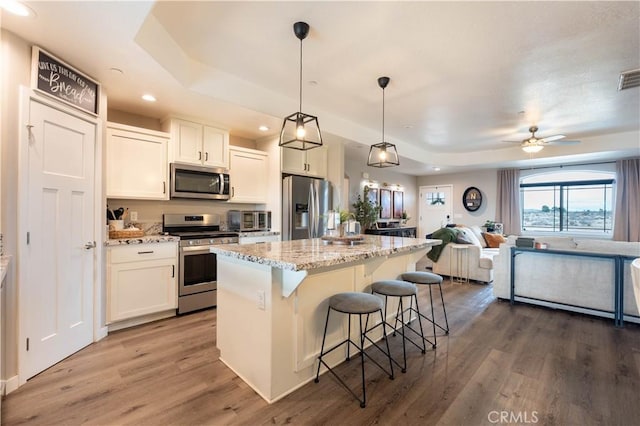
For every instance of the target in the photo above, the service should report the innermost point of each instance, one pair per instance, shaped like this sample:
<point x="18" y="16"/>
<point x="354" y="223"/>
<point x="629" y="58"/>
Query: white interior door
<point x="56" y="298"/>
<point x="436" y="208"/>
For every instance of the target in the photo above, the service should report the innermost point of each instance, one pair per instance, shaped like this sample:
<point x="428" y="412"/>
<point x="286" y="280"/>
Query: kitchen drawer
<point x="140" y="252"/>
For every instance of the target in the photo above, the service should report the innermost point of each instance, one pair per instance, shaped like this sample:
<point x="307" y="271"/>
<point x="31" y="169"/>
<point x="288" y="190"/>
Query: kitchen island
<point x="272" y="302"/>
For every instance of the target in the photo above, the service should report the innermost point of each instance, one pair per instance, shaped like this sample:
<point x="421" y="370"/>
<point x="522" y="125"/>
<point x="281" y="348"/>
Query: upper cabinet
<point x="136" y="163"/>
<point x="312" y="162"/>
<point x="249" y="175"/>
<point x="197" y="143"/>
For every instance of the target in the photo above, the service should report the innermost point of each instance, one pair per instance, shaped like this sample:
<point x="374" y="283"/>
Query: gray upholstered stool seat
<point x="360" y="304"/>
<point x="422" y="277"/>
<point x="355" y="303"/>
<point x="393" y="288"/>
<point x="401" y="289"/>
<point x="430" y="279"/>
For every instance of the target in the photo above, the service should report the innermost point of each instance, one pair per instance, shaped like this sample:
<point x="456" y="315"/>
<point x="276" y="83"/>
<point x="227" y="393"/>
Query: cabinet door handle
<point x="173" y="271"/>
<point x="206" y="156"/>
<point x="164" y="187"/>
<point x="145" y="252"/>
<point x="233" y="191"/>
<point x="199" y="155"/>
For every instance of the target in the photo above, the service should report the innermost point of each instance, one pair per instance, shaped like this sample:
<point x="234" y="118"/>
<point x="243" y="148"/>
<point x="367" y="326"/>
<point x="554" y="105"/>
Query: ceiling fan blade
<point x="553" y="138"/>
<point x="563" y="143"/>
<point x="512" y="141"/>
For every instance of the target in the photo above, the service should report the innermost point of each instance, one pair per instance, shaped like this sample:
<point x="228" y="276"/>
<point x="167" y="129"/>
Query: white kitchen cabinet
<point x="312" y="162"/>
<point x="141" y="280"/>
<point x="197" y="143"/>
<point x="253" y="239"/>
<point x="249" y="175"/>
<point x="136" y="163"/>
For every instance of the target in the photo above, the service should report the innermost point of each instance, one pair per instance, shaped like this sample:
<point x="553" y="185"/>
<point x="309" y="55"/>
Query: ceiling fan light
<point x="299" y="130"/>
<point x="532" y="149"/>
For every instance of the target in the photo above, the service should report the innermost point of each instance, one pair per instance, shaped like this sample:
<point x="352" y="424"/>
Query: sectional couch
<point x="478" y="256"/>
<point x="580" y="284"/>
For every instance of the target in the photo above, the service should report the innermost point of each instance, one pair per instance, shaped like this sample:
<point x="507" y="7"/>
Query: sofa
<point x="478" y="256"/>
<point x="579" y="284"/>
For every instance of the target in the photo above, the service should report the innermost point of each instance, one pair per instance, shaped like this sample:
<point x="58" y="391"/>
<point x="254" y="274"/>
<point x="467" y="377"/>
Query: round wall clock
<point x="472" y="199"/>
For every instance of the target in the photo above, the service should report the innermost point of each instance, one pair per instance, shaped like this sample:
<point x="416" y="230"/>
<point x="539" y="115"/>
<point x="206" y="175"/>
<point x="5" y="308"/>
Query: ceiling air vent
<point x="629" y="79"/>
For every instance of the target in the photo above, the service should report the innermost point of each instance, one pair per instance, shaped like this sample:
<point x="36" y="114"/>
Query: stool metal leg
<point x="324" y="336"/>
<point x="363" y="403"/>
<point x="433" y="318"/>
<point x="424" y="346"/>
<point x="446" y="321"/>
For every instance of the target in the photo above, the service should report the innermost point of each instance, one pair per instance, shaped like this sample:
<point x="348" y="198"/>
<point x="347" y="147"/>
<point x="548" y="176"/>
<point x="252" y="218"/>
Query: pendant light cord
<point x="300" y="76"/>
<point x="383" y="114"/>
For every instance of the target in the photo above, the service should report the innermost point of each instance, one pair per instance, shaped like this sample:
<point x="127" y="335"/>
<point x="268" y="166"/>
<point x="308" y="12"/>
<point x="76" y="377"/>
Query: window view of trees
<point x="568" y="202"/>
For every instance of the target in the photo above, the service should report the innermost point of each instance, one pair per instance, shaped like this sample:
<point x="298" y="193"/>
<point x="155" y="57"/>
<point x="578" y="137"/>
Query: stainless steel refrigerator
<point x="305" y="204"/>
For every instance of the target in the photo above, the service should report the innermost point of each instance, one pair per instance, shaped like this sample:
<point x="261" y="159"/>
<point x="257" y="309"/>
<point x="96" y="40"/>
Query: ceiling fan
<point x="534" y="144"/>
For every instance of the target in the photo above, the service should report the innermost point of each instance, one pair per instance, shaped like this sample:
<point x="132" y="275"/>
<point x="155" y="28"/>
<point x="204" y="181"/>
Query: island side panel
<point x="244" y="330"/>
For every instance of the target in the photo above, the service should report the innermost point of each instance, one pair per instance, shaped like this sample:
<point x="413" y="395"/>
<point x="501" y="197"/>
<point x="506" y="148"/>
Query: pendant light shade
<point x="383" y="154"/>
<point x="299" y="130"/>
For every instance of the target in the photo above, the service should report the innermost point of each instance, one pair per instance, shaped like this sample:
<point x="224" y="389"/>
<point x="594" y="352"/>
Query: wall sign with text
<point x="54" y="77"/>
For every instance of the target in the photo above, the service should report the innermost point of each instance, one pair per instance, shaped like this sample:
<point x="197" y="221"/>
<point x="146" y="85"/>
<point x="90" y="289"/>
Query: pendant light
<point x="299" y="130"/>
<point x="383" y="154"/>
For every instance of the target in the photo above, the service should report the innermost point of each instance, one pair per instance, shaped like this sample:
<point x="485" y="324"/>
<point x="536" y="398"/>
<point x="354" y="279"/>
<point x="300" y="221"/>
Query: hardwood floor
<point x="500" y="365"/>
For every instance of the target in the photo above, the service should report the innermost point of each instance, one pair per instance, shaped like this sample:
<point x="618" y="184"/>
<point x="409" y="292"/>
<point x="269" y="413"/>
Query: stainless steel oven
<point x="197" y="272"/>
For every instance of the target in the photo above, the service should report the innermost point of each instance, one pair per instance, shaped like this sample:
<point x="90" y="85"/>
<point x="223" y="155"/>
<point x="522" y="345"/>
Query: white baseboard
<point x="101" y="333"/>
<point x="141" y="320"/>
<point x="10" y="384"/>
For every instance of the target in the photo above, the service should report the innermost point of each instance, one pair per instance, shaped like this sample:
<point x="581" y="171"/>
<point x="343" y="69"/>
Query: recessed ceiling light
<point x="263" y="128"/>
<point x="149" y="98"/>
<point x="16" y="7"/>
<point x="437" y="169"/>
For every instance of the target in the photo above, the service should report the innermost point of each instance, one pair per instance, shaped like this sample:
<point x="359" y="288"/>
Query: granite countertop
<point x="4" y="265"/>
<point x="300" y="255"/>
<point x="141" y="240"/>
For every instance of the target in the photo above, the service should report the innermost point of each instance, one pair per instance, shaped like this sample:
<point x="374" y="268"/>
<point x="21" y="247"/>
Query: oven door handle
<point x="196" y="250"/>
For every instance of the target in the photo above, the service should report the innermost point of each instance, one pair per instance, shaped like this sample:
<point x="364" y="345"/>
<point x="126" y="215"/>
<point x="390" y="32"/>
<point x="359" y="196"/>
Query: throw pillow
<point x="478" y="233"/>
<point x="493" y="240"/>
<point x="463" y="239"/>
<point x="468" y="236"/>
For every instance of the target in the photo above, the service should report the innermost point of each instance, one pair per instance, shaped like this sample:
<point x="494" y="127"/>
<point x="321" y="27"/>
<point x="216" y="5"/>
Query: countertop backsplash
<point x="149" y="227"/>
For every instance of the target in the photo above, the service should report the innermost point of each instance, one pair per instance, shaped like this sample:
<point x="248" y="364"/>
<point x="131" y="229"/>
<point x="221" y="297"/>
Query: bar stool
<point x="353" y="303"/>
<point x="430" y="279"/>
<point x="401" y="289"/>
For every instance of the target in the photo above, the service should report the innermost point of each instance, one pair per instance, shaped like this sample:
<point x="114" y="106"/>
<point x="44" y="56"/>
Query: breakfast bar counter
<point x="272" y="302"/>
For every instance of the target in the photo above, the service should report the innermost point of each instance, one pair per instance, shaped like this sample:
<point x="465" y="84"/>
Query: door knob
<point x="90" y="245"/>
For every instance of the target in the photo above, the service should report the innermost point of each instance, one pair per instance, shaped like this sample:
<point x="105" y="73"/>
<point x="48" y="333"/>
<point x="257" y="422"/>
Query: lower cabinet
<point x="258" y="239"/>
<point x="141" y="280"/>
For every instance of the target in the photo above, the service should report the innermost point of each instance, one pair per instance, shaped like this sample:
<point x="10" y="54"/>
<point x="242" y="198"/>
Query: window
<point x="568" y="202"/>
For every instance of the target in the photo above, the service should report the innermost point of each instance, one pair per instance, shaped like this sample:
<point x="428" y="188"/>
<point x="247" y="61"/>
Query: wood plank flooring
<point x="524" y="363"/>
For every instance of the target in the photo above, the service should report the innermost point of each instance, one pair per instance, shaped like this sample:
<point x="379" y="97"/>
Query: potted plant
<point x="405" y="217"/>
<point x="489" y="225"/>
<point x="366" y="212"/>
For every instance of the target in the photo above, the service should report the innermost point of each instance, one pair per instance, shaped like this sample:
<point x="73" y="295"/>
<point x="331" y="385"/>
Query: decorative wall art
<point x="398" y="204"/>
<point x="385" y="203"/>
<point x="372" y="195"/>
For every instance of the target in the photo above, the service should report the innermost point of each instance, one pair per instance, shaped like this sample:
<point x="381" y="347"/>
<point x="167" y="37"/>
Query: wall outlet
<point x="134" y="216"/>
<point x="260" y="300"/>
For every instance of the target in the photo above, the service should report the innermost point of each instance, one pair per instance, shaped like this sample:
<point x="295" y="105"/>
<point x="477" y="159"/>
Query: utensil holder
<point x="116" y="225"/>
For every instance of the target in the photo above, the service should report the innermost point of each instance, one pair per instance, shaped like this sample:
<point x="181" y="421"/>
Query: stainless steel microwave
<point x="209" y="183"/>
<point x="249" y="220"/>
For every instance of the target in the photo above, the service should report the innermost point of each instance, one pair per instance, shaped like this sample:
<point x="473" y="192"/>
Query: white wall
<point x="485" y="180"/>
<point x="16" y="65"/>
